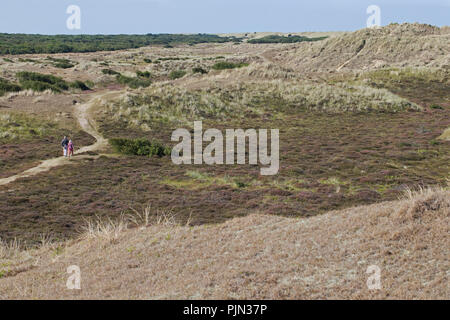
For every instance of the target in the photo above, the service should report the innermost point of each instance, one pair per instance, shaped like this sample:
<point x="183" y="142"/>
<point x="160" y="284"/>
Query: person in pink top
<point x="70" y="148"/>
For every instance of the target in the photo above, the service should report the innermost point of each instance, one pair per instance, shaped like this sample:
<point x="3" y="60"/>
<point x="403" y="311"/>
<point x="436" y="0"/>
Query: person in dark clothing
<point x="64" y="144"/>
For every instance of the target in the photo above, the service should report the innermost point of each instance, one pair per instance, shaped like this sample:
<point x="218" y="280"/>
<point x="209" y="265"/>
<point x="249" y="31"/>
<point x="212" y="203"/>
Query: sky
<point x="212" y="16"/>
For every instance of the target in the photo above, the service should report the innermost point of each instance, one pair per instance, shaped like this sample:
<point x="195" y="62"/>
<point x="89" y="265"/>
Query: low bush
<point x="134" y="83"/>
<point x="139" y="147"/>
<point x="110" y="72"/>
<point x="41" y="82"/>
<point x="61" y="63"/>
<point x="7" y="86"/>
<point x="177" y="74"/>
<point x="199" y="70"/>
<point x="143" y="74"/>
<point x="283" y="39"/>
<point x="222" y="65"/>
<point x="79" y="85"/>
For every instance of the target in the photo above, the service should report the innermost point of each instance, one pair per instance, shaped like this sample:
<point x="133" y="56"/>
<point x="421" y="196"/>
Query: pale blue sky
<point x="212" y="16"/>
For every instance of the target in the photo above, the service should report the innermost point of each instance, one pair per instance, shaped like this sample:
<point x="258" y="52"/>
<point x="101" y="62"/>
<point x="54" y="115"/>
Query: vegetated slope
<point x="394" y="45"/>
<point x="257" y="256"/>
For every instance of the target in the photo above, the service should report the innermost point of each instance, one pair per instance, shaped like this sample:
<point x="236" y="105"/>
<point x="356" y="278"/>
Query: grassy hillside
<point x="256" y="257"/>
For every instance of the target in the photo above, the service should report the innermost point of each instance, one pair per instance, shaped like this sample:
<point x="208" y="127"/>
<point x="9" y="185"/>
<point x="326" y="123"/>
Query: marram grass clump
<point x="173" y="104"/>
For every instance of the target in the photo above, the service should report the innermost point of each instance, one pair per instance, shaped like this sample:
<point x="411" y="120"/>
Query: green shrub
<point x="139" y="147"/>
<point x="61" y="63"/>
<point x="199" y="70"/>
<point x="90" y="83"/>
<point x="435" y="142"/>
<point x="143" y="74"/>
<point x="39" y="86"/>
<point x="110" y="72"/>
<point x="240" y="184"/>
<point x="40" y="82"/>
<point x="79" y="85"/>
<point x="177" y="74"/>
<point x="283" y="39"/>
<point x="7" y="86"/>
<point x="435" y="106"/>
<point x="147" y="60"/>
<point x="228" y="65"/>
<point x="133" y="82"/>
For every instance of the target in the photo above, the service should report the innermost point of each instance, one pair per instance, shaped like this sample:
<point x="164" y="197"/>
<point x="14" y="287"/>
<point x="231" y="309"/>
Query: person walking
<point x="70" y="148"/>
<point x="64" y="144"/>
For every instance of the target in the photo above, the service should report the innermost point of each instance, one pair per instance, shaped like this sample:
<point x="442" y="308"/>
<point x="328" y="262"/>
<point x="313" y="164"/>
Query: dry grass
<point x="366" y="49"/>
<point x="111" y="229"/>
<point x="257" y="257"/>
<point x="445" y="135"/>
<point x="10" y="249"/>
<point x="169" y="103"/>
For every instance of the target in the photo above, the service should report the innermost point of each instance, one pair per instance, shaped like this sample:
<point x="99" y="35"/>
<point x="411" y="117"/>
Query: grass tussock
<point x="111" y="229"/>
<point x="10" y="250"/>
<point x="424" y="204"/>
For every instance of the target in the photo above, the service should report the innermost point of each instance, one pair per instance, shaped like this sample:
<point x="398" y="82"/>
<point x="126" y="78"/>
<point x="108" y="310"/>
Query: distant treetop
<point x="282" y="39"/>
<point x="34" y="43"/>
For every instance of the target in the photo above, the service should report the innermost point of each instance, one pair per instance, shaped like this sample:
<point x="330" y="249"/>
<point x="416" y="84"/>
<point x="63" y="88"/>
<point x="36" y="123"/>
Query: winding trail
<point x="87" y="124"/>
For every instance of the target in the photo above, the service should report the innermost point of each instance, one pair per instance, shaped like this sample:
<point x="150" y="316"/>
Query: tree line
<point x="35" y="43"/>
